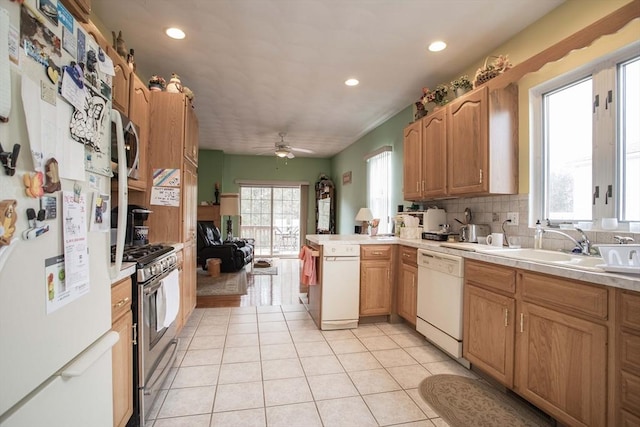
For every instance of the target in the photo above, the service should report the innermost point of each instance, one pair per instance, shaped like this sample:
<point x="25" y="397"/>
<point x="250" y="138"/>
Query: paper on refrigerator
<point x="76" y="249"/>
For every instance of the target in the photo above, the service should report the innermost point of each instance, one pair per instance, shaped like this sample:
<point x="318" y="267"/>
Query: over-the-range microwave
<point x="131" y="144"/>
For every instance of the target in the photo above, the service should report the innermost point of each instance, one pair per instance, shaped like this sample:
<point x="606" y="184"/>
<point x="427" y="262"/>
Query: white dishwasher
<point x="340" y="301"/>
<point x="440" y="300"/>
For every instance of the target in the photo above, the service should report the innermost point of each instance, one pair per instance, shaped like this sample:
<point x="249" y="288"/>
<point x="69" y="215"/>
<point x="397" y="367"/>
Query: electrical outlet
<point x="495" y="217"/>
<point x="513" y="216"/>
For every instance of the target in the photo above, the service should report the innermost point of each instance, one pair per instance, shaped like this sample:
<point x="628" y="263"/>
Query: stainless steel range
<point x="156" y="345"/>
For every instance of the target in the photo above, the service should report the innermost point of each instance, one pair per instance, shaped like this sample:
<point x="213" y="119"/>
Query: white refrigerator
<point x="55" y="314"/>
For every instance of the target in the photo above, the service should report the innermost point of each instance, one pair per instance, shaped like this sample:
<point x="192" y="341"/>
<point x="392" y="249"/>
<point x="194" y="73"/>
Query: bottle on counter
<point x="537" y="238"/>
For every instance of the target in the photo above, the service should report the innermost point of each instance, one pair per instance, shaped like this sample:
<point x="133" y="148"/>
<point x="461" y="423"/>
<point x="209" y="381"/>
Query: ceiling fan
<point x="284" y="150"/>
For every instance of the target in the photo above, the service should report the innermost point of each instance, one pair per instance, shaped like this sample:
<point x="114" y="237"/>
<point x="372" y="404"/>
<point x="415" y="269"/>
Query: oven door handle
<point x="160" y="378"/>
<point x="149" y="289"/>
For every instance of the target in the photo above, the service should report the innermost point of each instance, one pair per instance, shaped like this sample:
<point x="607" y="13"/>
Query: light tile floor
<point x="271" y="366"/>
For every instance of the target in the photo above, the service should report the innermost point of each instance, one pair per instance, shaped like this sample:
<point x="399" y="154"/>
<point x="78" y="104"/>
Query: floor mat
<point x="225" y="284"/>
<point x="465" y="402"/>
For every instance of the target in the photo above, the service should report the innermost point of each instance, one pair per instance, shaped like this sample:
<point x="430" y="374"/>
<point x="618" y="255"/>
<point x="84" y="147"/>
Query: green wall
<point x="210" y="167"/>
<point x="351" y="197"/>
<point x="215" y="166"/>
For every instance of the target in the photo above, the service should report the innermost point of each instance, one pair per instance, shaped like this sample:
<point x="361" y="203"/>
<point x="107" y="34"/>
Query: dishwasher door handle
<point x="341" y="259"/>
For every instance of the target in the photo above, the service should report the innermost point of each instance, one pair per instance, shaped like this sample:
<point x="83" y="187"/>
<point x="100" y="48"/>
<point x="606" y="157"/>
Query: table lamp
<point x="229" y="206"/>
<point x="364" y="215"/>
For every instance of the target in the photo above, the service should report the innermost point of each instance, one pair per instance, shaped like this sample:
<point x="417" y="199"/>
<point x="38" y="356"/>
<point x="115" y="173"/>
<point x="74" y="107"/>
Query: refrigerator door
<point x="35" y="344"/>
<point x="81" y="388"/>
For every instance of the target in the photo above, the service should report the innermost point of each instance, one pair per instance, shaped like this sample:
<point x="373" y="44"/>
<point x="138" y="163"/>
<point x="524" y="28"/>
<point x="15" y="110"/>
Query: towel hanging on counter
<point x="308" y="272"/>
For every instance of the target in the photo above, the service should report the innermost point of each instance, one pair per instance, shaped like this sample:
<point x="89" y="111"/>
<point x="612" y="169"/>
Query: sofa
<point x="233" y="254"/>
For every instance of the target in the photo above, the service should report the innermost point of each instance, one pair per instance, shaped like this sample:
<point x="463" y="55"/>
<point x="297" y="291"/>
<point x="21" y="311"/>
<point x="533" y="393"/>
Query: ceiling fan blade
<point x="302" y="150"/>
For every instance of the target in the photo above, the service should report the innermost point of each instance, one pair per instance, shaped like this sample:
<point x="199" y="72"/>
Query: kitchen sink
<point x="552" y="257"/>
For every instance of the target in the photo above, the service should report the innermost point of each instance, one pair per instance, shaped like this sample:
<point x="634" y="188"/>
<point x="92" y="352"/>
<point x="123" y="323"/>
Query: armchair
<point x="233" y="255"/>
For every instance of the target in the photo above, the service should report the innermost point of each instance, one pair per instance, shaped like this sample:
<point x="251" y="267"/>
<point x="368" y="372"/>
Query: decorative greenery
<point x="461" y="82"/>
<point x="437" y="96"/>
<point x="484" y="74"/>
<point x="156" y="80"/>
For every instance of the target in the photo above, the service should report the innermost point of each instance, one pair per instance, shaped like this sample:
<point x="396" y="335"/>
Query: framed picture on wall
<point x="346" y="178"/>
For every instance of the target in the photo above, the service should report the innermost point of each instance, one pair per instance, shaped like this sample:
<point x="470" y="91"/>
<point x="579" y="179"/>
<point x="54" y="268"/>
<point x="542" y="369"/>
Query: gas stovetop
<point x="152" y="261"/>
<point x="141" y="255"/>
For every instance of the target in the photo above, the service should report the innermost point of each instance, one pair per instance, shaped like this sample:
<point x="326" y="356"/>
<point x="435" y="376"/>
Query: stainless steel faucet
<point x="584" y="244"/>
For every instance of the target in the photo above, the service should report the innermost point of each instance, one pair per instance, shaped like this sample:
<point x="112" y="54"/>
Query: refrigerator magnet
<point x="8" y="219"/>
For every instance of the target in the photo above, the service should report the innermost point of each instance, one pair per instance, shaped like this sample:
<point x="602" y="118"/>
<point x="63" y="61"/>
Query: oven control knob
<point x="153" y="269"/>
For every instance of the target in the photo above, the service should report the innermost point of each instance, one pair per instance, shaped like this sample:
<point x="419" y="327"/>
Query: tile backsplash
<point x="493" y="210"/>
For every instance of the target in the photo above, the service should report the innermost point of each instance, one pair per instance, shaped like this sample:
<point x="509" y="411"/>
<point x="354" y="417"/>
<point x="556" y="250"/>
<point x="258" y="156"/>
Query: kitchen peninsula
<point x="523" y="316"/>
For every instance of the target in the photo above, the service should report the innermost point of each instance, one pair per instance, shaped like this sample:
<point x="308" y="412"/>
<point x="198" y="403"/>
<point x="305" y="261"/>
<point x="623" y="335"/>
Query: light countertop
<point x="483" y="253"/>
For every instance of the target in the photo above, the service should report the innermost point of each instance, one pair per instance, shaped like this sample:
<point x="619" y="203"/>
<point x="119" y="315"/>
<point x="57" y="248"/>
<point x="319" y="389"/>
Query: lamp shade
<point x="364" y="214"/>
<point x="229" y="204"/>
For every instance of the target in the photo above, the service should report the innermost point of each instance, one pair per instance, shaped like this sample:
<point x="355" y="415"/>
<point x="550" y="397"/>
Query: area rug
<point x="225" y="284"/>
<point x="465" y="402"/>
<point x="265" y="271"/>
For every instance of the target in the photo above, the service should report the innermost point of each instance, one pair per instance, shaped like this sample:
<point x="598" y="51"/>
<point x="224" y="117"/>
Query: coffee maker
<point x="137" y="234"/>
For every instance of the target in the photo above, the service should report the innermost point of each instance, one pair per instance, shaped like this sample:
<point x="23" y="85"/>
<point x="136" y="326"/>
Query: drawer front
<point x="629" y="308"/>
<point x="490" y="276"/>
<point x="375" y="251"/>
<point x="572" y="296"/>
<point x="409" y="255"/>
<point x="630" y="392"/>
<point x="120" y="298"/>
<point x="630" y="351"/>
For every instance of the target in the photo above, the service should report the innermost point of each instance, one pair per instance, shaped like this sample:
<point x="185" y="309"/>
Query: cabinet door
<point x="121" y="83"/>
<point x="122" y="360"/>
<point x="407" y="293"/>
<point x="139" y="111"/>
<point x="190" y="194"/>
<point x="191" y="134"/>
<point x="412" y="161"/>
<point x="467" y="149"/>
<point x="489" y="332"/>
<point x="375" y="288"/>
<point x="562" y="365"/>
<point x="188" y="283"/>
<point x="434" y="159"/>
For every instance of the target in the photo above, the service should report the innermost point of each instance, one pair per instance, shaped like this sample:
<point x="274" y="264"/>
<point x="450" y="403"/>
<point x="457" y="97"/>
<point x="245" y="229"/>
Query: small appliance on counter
<point x="137" y="234"/>
<point x="430" y="220"/>
<point x="471" y="232"/>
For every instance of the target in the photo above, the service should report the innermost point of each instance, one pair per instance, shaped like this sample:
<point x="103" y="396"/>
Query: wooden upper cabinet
<point x="80" y="9"/>
<point x="434" y="158"/>
<point x="139" y="111"/>
<point x="94" y="33"/>
<point x="468" y="142"/>
<point x="482" y="142"/>
<point x="121" y="85"/>
<point x="191" y="134"/>
<point x="412" y="161"/>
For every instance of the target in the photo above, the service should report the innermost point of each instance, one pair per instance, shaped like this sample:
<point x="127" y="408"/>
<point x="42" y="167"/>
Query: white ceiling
<point x="260" y="67"/>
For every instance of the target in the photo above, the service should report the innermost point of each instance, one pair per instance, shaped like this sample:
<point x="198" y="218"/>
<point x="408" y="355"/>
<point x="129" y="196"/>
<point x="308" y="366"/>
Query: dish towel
<point x="171" y="287"/>
<point x="308" y="272"/>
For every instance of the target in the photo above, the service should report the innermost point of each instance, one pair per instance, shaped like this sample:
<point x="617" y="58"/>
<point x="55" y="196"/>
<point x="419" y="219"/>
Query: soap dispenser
<point x="537" y="239"/>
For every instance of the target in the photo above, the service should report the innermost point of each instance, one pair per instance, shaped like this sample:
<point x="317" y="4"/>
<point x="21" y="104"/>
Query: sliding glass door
<point x="271" y="216"/>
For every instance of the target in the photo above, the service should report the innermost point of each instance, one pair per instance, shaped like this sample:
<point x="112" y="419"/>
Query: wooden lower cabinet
<point x="627" y="401"/>
<point x="375" y="288"/>
<point x="489" y="327"/>
<point x="122" y="352"/>
<point x="562" y="364"/>
<point x="188" y="297"/>
<point x="551" y="346"/>
<point x="407" y="291"/>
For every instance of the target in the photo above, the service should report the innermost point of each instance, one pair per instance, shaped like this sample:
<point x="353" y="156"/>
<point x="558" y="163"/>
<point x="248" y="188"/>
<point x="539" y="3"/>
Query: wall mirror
<point x="325" y="206"/>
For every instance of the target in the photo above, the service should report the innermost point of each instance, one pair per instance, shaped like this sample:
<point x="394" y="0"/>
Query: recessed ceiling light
<point x="352" y="82"/>
<point x="175" y="33"/>
<point x="437" y="46"/>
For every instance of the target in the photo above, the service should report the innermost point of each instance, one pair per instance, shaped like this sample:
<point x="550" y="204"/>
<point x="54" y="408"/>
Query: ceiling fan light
<point x="281" y="152"/>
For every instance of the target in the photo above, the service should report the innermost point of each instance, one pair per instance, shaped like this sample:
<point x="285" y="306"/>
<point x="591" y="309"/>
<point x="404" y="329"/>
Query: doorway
<point x="271" y="216"/>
